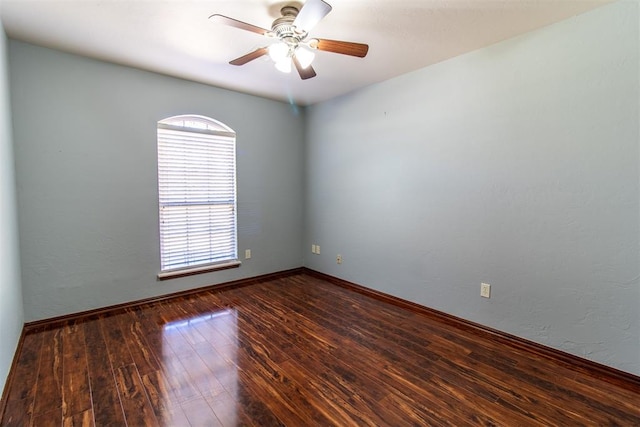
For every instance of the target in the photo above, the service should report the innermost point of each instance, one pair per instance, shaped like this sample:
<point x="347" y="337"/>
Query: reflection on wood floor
<point x="295" y="351"/>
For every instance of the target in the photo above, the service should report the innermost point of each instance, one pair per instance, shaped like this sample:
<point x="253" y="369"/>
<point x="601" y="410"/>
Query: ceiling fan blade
<point x="345" y="48"/>
<point x="311" y="13"/>
<point x="221" y="19"/>
<point x="305" y="73"/>
<point x="250" y="56"/>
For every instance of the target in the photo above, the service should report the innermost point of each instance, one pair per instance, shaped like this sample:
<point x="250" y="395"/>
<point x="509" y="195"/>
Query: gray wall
<point x="515" y="165"/>
<point x="11" y="315"/>
<point x="85" y="137"/>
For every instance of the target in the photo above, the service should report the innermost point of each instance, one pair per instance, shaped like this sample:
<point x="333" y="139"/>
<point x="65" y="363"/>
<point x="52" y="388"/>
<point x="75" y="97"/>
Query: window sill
<point x="189" y="271"/>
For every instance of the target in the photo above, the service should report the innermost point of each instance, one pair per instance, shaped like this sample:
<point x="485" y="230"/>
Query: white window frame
<point x="197" y="196"/>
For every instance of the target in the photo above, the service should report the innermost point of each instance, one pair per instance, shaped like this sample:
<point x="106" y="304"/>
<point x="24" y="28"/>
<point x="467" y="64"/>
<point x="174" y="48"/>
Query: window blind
<point x="197" y="195"/>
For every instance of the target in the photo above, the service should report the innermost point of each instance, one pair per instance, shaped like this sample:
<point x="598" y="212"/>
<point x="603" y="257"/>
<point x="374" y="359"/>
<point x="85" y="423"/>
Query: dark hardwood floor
<point x="296" y="351"/>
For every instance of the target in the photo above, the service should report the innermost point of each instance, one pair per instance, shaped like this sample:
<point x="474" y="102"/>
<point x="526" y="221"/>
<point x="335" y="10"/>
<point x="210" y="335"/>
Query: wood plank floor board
<point x="139" y="348"/>
<point x="81" y="419"/>
<point x="199" y="413"/>
<point x="18" y="412"/>
<point x="169" y="384"/>
<point x="264" y="374"/>
<point x="51" y="418"/>
<point x="27" y="368"/>
<point x="273" y="369"/>
<point x="458" y="383"/>
<point x="375" y="344"/>
<point x="165" y="407"/>
<point x="201" y="376"/>
<point x="329" y="315"/>
<point x="228" y="411"/>
<point x="171" y="334"/>
<point x="425" y="377"/>
<point x="170" y="374"/>
<point x="412" y="323"/>
<point x="353" y="355"/>
<point x="566" y="394"/>
<point x="460" y="372"/>
<point x="412" y="415"/>
<point x="135" y="402"/>
<point x="355" y="378"/>
<point x="107" y="407"/>
<point x="560" y="405"/>
<point x="339" y="408"/>
<point x="179" y="379"/>
<point x="20" y="398"/>
<point x="254" y="405"/>
<point x="543" y="389"/>
<point x="76" y="391"/>
<point x="288" y="401"/>
<point x="354" y="306"/>
<point x="295" y="351"/>
<point x="49" y="381"/>
<point x="324" y="388"/>
<point x="522" y="401"/>
<point x="115" y="341"/>
<point x="307" y="349"/>
<point x="301" y="330"/>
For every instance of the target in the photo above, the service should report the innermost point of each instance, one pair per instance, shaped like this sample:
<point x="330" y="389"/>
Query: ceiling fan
<point x="293" y="46"/>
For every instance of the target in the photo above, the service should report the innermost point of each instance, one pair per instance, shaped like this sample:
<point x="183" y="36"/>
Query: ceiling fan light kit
<point x="292" y="29"/>
<point x="278" y="51"/>
<point x="284" y="65"/>
<point x="305" y="56"/>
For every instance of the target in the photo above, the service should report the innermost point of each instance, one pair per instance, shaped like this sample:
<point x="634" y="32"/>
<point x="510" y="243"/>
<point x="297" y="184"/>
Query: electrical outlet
<point x="247" y="254"/>
<point x="339" y="259"/>
<point x="485" y="290"/>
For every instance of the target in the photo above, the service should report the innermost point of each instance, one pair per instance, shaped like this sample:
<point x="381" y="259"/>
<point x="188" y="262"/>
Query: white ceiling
<point x="176" y="38"/>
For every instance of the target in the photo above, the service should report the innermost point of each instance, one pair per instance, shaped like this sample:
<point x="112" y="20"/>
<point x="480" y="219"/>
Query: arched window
<point x="197" y="195"/>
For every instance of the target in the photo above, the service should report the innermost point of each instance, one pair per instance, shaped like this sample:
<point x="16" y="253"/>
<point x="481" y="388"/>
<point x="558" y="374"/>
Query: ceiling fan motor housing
<point x="284" y="29"/>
